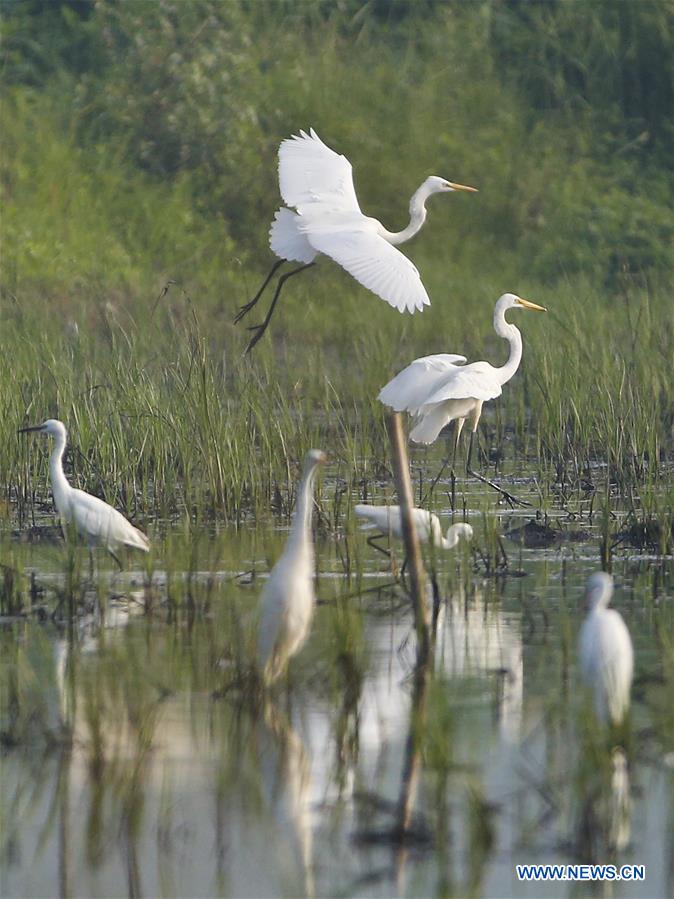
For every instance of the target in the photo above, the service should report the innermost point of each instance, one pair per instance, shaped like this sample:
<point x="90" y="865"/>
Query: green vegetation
<point x="138" y="148"/>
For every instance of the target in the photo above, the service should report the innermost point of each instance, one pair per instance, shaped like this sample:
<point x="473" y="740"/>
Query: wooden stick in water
<point x="401" y="471"/>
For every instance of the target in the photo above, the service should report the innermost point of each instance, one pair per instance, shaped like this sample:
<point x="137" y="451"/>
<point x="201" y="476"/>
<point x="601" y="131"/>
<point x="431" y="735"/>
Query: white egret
<point x="288" y="596"/>
<point x="441" y="388"/>
<point x="427" y="525"/>
<point x="605" y="652"/>
<point x="94" y="519"/>
<point x="318" y="184"/>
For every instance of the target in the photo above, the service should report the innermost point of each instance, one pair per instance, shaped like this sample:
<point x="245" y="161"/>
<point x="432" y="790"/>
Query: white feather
<point x="310" y="173"/>
<point x="438" y="389"/>
<point x="318" y="183"/>
<point x="94" y="519"/>
<point x="410" y="387"/>
<point x="286" y="239"/>
<point x="288" y="599"/>
<point x="427" y="525"/>
<point x="374" y="263"/>
<point x="606" y="653"/>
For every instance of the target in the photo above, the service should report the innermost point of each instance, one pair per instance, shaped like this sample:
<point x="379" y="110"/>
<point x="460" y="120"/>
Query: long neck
<point x="453" y="536"/>
<point x="59" y="485"/>
<point x="417" y="218"/>
<point x="512" y="335"/>
<point x="600" y="604"/>
<point x="300" y="536"/>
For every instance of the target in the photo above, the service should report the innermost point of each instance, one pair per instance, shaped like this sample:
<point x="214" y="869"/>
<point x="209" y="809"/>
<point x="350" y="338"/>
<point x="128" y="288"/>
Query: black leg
<point x="121" y="567"/>
<point x="508" y="497"/>
<point x="372" y="541"/>
<point x="248" y="306"/>
<point x="260" y="329"/>
<point x="429" y="492"/>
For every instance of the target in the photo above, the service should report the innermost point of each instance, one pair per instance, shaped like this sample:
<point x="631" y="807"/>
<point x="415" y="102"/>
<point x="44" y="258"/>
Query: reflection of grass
<point x="150" y="684"/>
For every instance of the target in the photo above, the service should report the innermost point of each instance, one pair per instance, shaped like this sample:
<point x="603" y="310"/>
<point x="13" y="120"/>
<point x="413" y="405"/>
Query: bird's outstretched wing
<point x="478" y="381"/>
<point x="374" y="263"/>
<point x="410" y="387"/>
<point x="310" y="173"/>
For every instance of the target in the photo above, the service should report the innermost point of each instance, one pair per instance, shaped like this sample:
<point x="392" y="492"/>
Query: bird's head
<point x="52" y="427"/>
<point x="315" y="457"/>
<point x="462" y="530"/>
<point x="435" y="185"/>
<point x="512" y="301"/>
<point x="598" y="590"/>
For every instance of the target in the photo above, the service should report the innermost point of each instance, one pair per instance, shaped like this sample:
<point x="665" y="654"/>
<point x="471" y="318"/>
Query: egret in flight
<point x="318" y="184"/>
<point x="439" y="389"/>
<point x="427" y="526"/>
<point x="605" y="652"/>
<point x="288" y="597"/>
<point x="93" y="519"/>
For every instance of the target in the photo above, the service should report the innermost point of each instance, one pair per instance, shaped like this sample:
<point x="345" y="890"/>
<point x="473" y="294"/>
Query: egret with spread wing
<point x="442" y="388"/>
<point x="318" y="184"/>
<point x="93" y="518"/>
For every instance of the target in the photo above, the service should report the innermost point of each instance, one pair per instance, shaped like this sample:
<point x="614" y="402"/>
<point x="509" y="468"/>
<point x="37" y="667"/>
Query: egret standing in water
<point x="427" y="526"/>
<point x="94" y="519"/>
<point x="605" y="652"/>
<point x="288" y="597"/>
<point x="439" y="389"/>
<point x="318" y="184"/>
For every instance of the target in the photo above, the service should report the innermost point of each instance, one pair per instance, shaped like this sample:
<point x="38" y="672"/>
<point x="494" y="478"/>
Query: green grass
<point x="167" y="419"/>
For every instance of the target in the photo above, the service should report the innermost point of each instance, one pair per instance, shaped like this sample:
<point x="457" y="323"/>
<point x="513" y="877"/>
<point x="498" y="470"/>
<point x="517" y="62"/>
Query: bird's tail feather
<point x="429" y="424"/>
<point x="287" y="241"/>
<point x="138" y="540"/>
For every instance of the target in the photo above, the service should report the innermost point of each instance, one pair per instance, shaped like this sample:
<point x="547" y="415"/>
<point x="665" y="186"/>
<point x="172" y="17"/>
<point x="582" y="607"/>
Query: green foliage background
<point x="138" y="145"/>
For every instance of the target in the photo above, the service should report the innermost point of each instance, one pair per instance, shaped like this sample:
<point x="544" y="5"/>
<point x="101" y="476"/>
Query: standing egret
<point x="438" y="389"/>
<point x="427" y="525"/>
<point x="288" y="596"/>
<point x="605" y="652"/>
<point x="318" y="184"/>
<point x="94" y="519"/>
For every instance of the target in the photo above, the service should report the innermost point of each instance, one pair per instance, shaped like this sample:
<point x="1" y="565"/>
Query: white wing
<point x="388" y="519"/>
<point x="431" y="420"/>
<point x="98" y="521"/>
<point x="373" y="262"/>
<point x="311" y="173"/>
<point x="478" y="381"/>
<point x="410" y="387"/>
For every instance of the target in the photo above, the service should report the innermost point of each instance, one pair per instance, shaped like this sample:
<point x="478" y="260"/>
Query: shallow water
<point x="136" y="762"/>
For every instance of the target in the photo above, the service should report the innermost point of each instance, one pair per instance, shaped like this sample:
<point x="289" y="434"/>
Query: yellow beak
<point x="528" y="305"/>
<point x="471" y="190"/>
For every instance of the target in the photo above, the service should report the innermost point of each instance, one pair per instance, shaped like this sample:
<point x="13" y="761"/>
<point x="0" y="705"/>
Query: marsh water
<point x="137" y="760"/>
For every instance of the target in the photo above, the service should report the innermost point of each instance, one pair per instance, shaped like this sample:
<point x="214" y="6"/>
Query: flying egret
<point x="288" y="595"/>
<point x="94" y="519"/>
<point x="427" y="525"/>
<point x="605" y="652"/>
<point x="438" y="389"/>
<point x="318" y="184"/>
